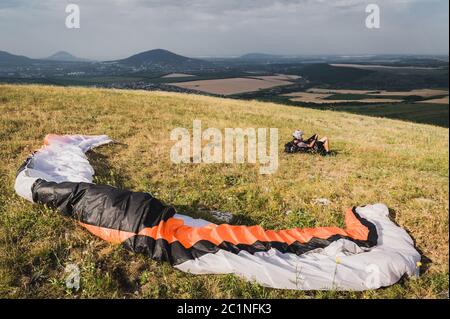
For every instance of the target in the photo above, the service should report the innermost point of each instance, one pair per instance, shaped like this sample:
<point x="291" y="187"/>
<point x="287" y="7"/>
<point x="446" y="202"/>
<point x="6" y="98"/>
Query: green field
<point x="425" y="113"/>
<point x="402" y="164"/>
<point x="436" y="114"/>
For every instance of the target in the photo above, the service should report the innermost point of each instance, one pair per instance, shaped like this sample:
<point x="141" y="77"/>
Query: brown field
<point x="318" y="98"/>
<point x="177" y="75"/>
<point x="307" y="97"/>
<point x="368" y="67"/>
<point x="419" y="92"/>
<point x="233" y="85"/>
<point x="338" y="91"/>
<point x="443" y="100"/>
<point x="282" y="77"/>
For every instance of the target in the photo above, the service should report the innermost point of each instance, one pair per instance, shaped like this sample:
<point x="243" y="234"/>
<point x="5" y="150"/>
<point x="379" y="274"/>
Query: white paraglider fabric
<point x="62" y="159"/>
<point x="340" y="266"/>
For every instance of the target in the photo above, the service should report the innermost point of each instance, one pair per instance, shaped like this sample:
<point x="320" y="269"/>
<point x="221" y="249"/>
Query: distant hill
<point x="64" y="56"/>
<point x="164" y="60"/>
<point x="8" y="58"/>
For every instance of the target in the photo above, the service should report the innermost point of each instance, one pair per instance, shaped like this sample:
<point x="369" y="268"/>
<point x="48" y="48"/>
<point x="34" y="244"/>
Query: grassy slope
<point x="402" y="164"/>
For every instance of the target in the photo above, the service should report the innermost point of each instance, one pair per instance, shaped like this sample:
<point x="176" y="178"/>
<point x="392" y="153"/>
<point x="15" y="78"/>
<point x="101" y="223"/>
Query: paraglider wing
<point x="371" y="252"/>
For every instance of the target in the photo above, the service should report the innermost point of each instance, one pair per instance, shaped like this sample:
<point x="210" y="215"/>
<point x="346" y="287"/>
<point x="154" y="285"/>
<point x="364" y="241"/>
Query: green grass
<point x="402" y="164"/>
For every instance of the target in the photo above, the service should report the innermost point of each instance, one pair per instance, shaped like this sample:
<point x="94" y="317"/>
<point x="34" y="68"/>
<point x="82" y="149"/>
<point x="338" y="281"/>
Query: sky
<point x="113" y="29"/>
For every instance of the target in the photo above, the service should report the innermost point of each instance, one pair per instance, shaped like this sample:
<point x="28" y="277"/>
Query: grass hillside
<point x="404" y="165"/>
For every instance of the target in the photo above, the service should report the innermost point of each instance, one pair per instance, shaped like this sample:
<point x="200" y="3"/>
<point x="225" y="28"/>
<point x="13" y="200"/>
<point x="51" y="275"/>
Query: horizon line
<point x="199" y="56"/>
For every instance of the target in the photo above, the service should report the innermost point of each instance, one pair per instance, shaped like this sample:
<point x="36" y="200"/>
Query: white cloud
<point x="116" y="28"/>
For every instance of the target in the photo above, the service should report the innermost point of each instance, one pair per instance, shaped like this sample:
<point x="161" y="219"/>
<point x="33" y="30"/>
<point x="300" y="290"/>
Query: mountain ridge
<point x="64" y="56"/>
<point x="161" y="58"/>
<point x="6" y="57"/>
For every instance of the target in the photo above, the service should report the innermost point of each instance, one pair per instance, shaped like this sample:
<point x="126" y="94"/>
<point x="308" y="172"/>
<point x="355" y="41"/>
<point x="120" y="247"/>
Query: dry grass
<point x="402" y="164"/>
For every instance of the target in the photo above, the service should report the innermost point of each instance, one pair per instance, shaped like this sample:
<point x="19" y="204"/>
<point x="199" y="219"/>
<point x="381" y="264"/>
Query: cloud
<point x="11" y="4"/>
<point x="117" y="28"/>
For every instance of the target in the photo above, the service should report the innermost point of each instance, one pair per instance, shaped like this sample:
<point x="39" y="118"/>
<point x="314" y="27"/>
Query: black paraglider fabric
<point x="126" y="211"/>
<point x="103" y="205"/>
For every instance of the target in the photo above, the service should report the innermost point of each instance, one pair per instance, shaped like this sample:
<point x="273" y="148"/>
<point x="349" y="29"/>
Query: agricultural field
<point x="442" y="100"/>
<point x="326" y="98"/>
<point x="402" y="164"/>
<point x="417" y="92"/>
<point x="339" y="91"/>
<point x="177" y="75"/>
<point x="420" y="105"/>
<point x="277" y="77"/>
<point x="231" y="86"/>
<point x="425" y="93"/>
<point x="435" y="114"/>
<point x="374" y="66"/>
<point x="319" y="95"/>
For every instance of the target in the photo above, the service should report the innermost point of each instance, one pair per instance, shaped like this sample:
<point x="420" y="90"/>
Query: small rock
<point x="225" y="217"/>
<point x="322" y="201"/>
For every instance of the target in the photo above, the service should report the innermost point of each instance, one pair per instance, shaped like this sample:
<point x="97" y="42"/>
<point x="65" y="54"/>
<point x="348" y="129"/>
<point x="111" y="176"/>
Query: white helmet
<point x="298" y="134"/>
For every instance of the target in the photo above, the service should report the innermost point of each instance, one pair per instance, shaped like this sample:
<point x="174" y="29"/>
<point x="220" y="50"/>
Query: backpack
<point x="291" y="148"/>
<point x="318" y="148"/>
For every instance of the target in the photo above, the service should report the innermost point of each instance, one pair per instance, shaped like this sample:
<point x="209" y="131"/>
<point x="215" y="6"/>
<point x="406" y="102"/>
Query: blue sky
<point x="118" y="28"/>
